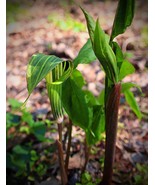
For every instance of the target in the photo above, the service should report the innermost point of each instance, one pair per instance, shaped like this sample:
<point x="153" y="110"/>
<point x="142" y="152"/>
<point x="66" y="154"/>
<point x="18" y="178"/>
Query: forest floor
<point x="54" y="27"/>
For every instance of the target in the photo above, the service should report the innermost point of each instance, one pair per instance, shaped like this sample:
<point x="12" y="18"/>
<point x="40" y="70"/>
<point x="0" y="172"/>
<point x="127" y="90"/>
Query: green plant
<point x="22" y="131"/>
<point x="116" y="68"/>
<point x="64" y="86"/>
<point x="142" y="176"/>
<point x="86" y="179"/>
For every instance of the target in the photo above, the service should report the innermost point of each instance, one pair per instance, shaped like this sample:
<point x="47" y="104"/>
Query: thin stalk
<point x="69" y="145"/>
<point x="64" y="179"/>
<point x="87" y="154"/>
<point x="112" y="106"/>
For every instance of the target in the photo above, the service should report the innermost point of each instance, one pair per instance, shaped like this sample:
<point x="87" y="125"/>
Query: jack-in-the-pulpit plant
<point x="64" y="86"/>
<point x="116" y="68"/>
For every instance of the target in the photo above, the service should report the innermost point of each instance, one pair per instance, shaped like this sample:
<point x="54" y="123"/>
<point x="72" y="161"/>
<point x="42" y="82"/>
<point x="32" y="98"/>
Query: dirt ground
<point x="36" y="29"/>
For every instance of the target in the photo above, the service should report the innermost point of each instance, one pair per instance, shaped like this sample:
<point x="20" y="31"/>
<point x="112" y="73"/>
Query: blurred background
<point x="59" y="28"/>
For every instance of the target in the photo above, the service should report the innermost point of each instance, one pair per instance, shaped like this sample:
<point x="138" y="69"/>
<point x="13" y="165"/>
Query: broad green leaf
<point x="90" y="24"/>
<point x="91" y="100"/>
<point x="128" y="85"/>
<point x="86" y="55"/>
<point x="39" y="66"/>
<point x="132" y="102"/>
<point x="104" y="53"/>
<point x="126" y="69"/>
<point x="123" y="17"/>
<point x="76" y="74"/>
<point x="75" y="104"/>
<point x="98" y="125"/>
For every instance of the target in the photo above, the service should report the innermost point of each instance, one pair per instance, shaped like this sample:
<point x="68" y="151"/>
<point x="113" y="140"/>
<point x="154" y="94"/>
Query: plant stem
<point x="87" y="153"/>
<point x="112" y="106"/>
<point x="64" y="179"/>
<point x="69" y="145"/>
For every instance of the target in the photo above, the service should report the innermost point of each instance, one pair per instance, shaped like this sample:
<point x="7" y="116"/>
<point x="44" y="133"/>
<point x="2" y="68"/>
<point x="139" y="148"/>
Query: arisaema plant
<point x="65" y="83"/>
<point x="116" y="68"/>
<point x="64" y="87"/>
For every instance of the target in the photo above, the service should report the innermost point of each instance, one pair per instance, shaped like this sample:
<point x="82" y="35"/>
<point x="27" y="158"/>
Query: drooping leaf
<point x="54" y="94"/>
<point x="132" y="102"/>
<point x="39" y="66"/>
<point x="55" y="71"/>
<point x="104" y="53"/>
<point x="90" y="24"/>
<point x="123" y="18"/>
<point x="86" y="55"/>
<point x="75" y="104"/>
<point x="126" y="69"/>
<point x="128" y="85"/>
<point x="54" y="80"/>
<point x="93" y="135"/>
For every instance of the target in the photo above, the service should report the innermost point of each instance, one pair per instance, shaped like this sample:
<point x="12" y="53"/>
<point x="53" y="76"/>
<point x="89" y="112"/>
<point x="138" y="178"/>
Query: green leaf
<point x="104" y="53"/>
<point x="86" y="55"/>
<point x="39" y="66"/>
<point x="55" y="71"/>
<point x="132" y="102"/>
<point x="90" y="24"/>
<point x="98" y="125"/>
<point x="126" y="86"/>
<point x="28" y="118"/>
<point x="15" y="104"/>
<point x="75" y="104"/>
<point x="39" y="130"/>
<point x="118" y="52"/>
<point x="54" y="81"/>
<point x="126" y="69"/>
<point x="123" y="17"/>
<point x="101" y="97"/>
<point x="76" y="74"/>
<point x="86" y="177"/>
<point x="18" y="149"/>
<point x="12" y="120"/>
<point x="54" y="94"/>
<point x="91" y="100"/>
